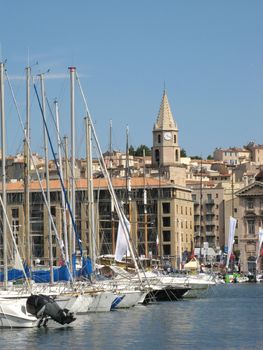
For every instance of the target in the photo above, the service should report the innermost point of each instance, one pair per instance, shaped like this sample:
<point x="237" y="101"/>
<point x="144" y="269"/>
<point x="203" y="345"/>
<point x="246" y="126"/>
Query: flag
<point x="122" y="239"/>
<point x="231" y="234"/>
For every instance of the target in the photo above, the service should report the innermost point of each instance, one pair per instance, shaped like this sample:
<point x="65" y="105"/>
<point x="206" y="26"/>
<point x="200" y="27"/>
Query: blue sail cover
<point x="39" y="276"/>
<point x="12" y="275"/>
<point x="86" y="269"/>
<point x="43" y="276"/>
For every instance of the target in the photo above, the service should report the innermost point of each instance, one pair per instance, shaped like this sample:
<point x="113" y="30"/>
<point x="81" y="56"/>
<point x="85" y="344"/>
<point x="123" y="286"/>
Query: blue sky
<point x="209" y="53"/>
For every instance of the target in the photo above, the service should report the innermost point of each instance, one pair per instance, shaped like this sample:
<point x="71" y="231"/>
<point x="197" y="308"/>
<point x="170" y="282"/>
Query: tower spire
<point x="165" y="120"/>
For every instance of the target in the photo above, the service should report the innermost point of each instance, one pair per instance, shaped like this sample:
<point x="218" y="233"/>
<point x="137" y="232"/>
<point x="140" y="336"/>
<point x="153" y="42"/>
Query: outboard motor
<point x="45" y="307"/>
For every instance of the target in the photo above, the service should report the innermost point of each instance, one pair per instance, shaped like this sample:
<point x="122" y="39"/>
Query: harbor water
<point x="229" y="316"/>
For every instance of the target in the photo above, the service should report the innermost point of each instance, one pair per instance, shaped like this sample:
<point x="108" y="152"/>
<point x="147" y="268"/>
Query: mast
<point x="69" y="223"/>
<point x="47" y="180"/>
<point x="4" y="221"/>
<point x="72" y="71"/>
<point x="64" y="216"/>
<point x="112" y="203"/>
<point x="201" y="208"/>
<point x="145" y="207"/>
<point x="27" y="172"/>
<point x="92" y="238"/>
<point x="128" y="177"/>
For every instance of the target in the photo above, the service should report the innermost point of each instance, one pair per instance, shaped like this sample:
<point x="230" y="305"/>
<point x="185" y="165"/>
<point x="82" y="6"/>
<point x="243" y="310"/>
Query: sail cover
<point x="122" y="239"/>
<point x="231" y="234"/>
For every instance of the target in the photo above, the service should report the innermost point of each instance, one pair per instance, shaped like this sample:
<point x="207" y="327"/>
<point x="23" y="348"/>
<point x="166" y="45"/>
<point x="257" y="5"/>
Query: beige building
<point x="256" y="152"/>
<point x="232" y="156"/>
<point x="250" y="219"/>
<point x="167" y="214"/>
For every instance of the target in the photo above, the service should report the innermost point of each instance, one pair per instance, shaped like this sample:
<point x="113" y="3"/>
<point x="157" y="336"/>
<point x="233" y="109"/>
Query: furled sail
<point x="231" y="234"/>
<point x="122" y="247"/>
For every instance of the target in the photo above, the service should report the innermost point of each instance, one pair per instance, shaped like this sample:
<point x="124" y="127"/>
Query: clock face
<point x="167" y="136"/>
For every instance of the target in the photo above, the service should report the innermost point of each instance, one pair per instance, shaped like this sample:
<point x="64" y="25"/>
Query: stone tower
<point x="166" y="150"/>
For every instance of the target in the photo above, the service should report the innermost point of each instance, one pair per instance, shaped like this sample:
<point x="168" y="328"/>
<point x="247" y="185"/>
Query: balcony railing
<point x="209" y="202"/>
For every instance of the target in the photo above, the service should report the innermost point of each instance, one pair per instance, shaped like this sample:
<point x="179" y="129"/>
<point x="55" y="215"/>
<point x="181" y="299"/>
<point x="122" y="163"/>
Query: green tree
<point x="131" y="151"/>
<point x="196" y="157"/>
<point x="139" y="151"/>
<point x="209" y="157"/>
<point x="183" y="153"/>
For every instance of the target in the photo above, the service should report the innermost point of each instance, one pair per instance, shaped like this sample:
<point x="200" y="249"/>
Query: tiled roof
<point x="139" y="182"/>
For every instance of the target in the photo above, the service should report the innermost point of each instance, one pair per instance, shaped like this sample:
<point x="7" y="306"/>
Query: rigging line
<point x="59" y="174"/>
<point x="38" y="176"/>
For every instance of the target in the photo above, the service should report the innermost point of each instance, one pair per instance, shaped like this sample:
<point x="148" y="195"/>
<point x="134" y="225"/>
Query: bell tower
<point x="166" y="150"/>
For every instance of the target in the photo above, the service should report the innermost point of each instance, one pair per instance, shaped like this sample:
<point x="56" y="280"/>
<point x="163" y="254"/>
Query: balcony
<point x="209" y="202"/>
<point x="210" y="222"/>
<point x="210" y="233"/>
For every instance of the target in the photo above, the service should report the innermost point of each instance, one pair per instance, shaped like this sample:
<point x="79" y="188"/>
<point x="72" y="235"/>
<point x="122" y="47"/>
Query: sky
<point x="208" y="54"/>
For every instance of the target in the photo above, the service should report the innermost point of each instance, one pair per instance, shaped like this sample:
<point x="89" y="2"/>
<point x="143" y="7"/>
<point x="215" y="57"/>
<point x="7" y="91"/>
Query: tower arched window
<point x="176" y="155"/>
<point x="157" y="156"/>
<point x="159" y="138"/>
<point x="175" y="140"/>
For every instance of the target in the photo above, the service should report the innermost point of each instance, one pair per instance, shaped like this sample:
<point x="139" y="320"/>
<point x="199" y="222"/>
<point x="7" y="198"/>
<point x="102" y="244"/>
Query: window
<point x="157" y="156"/>
<point x="174" y="138"/>
<point x="159" y="138"/>
<point x="15" y="212"/>
<point x="251" y="227"/>
<point x="166" y="221"/>
<point x="166" y="236"/>
<point x="209" y="197"/>
<point x="166" y="208"/>
<point x="166" y="249"/>
<point x="176" y="155"/>
<point x="194" y="197"/>
<point x="250" y="203"/>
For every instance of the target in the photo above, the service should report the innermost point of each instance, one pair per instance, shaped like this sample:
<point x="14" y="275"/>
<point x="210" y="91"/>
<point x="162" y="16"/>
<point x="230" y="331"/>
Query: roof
<point x="165" y="120"/>
<point x="139" y="182"/>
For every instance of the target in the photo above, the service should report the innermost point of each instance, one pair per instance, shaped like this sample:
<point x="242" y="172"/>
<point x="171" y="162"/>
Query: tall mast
<point x="145" y="207"/>
<point x="92" y="234"/>
<point x="27" y="241"/>
<point x="4" y="222"/>
<point x="201" y="207"/>
<point x="47" y="180"/>
<point x="127" y="177"/>
<point x="112" y="203"/>
<point x="64" y="216"/>
<point x="69" y="223"/>
<point x="72" y="71"/>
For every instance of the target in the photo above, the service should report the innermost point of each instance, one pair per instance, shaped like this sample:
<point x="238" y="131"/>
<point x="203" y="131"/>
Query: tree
<point x="196" y="157"/>
<point x="183" y="153"/>
<point x="209" y="157"/>
<point x="139" y="151"/>
<point x="131" y="151"/>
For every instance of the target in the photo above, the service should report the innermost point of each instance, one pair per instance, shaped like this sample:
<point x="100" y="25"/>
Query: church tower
<point x="166" y="150"/>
